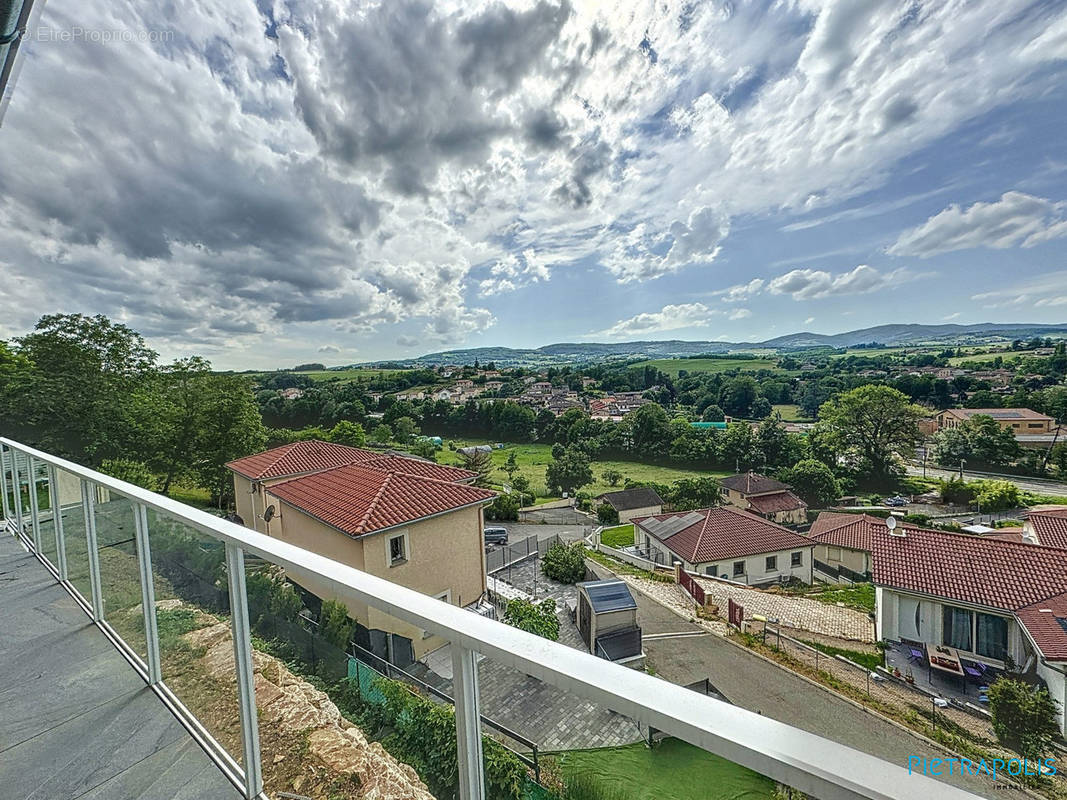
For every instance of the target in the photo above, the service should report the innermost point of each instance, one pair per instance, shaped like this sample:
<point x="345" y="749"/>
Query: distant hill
<point x="887" y="335"/>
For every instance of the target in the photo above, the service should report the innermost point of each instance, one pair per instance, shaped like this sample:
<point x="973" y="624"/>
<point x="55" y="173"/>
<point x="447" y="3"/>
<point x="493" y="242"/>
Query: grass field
<point x="1005" y="354"/>
<point x="790" y="412"/>
<point x="532" y="460"/>
<point x="619" y="536"/>
<point x="672" y="769"/>
<point x="672" y="365"/>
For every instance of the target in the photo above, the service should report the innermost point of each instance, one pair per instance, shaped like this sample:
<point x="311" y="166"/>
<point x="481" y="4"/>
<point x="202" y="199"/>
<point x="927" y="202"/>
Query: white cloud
<point x="668" y="318"/>
<point x="739" y="313"/>
<point x="332" y="349"/>
<point x="809" y="320"/>
<point x="1044" y="291"/>
<point x="949" y="317"/>
<point x="815" y="284"/>
<point x="741" y="291"/>
<point x="1015" y="220"/>
<point x="514" y="271"/>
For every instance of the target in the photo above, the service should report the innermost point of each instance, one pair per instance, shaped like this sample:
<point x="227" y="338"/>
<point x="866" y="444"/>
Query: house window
<point x="711" y="569"/>
<point x="956" y="625"/>
<point x="991" y="635"/>
<point x="796" y="559"/>
<point x="398" y="549"/>
<point x="771" y="564"/>
<point x="739" y="568"/>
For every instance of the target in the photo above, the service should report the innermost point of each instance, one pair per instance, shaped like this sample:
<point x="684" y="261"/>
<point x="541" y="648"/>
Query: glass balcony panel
<point x="192" y="615"/>
<point x="69" y="502"/>
<point x="46" y="522"/>
<point x="120" y="577"/>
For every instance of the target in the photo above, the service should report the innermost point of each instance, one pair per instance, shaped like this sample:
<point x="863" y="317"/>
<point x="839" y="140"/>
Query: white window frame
<point x="389" y="561"/>
<point x="770" y="563"/>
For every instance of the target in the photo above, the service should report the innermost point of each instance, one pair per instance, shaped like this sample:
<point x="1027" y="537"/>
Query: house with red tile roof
<point x="1046" y="526"/>
<point x="843" y="545"/>
<point x="765" y="496"/>
<point x="407" y="520"/>
<point x="993" y="601"/>
<point x="727" y="542"/>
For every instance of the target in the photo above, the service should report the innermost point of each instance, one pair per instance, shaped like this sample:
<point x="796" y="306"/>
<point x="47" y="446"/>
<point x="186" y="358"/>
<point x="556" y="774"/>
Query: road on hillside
<point x="752" y="683"/>
<point x="1036" y="485"/>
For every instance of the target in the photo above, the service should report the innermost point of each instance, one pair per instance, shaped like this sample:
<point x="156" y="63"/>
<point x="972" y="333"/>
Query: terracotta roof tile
<point x="774" y="503"/>
<point x="358" y="499"/>
<point x="415" y="466"/>
<point x="1046" y="621"/>
<point x="1050" y="525"/>
<point x="854" y="531"/>
<point x="727" y="532"/>
<point x="972" y="569"/>
<point x="299" y="458"/>
<point x="753" y="483"/>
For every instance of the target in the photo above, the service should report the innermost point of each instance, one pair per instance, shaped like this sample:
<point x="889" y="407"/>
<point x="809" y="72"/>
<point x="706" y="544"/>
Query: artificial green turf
<point x="672" y="769"/>
<point x="619" y="536"/>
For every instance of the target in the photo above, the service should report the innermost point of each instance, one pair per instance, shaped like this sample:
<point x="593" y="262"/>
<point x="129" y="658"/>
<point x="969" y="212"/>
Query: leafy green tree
<point x="565" y="562"/>
<point x="739" y="449"/>
<point x="649" y="429"/>
<point x="979" y="438"/>
<point x="761" y="408"/>
<point x="481" y="462"/>
<point x="687" y="494"/>
<point x="1024" y="717"/>
<point x="996" y="495"/>
<point x="382" y="434"/>
<point x="504" y="507"/>
<point x="606" y="514"/>
<point x="813" y="482"/>
<point x="511" y="465"/>
<point x="537" y="618"/>
<point x="424" y="448"/>
<point x="521" y="486"/>
<point x="125" y="469"/>
<point x="350" y="433"/>
<point x="612" y="477"/>
<point x="569" y="472"/>
<point x="738" y="395"/>
<point x="404" y="428"/>
<point x="713" y="413"/>
<point x="335" y="625"/>
<point x="873" y="426"/>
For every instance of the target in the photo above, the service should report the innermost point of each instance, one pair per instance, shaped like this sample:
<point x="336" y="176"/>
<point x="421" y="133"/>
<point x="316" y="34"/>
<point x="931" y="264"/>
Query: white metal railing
<point x="812" y="764"/>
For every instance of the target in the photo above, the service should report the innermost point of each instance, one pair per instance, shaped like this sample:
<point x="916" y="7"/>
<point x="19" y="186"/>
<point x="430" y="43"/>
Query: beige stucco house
<point x="412" y="522"/>
<point x="1020" y="421"/>
<point x="764" y="496"/>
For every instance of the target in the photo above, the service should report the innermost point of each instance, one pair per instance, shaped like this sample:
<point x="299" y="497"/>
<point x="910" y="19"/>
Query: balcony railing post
<point x="148" y="593"/>
<point x="242" y="656"/>
<point x="35" y="512"/>
<point x="5" y="452"/>
<point x="468" y="723"/>
<point x="57" y="523"/>
<point x="17" y="493"/>
<point x="89" y="510"/>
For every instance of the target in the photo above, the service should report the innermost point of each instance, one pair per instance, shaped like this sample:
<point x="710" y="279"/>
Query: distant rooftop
<point x="753" y="483"/>
<point x="714" y="534"/>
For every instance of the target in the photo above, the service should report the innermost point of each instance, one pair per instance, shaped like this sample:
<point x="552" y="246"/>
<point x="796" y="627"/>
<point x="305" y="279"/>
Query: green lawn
<point x="619" y="536"/>
<point x="868" y="660"/>
<point x="532" y="460"/>
<point x="859" y="596"/>
<point x="672" y="769"/>
<point x="790" y="412"/>
<point x="1005" y="354"/>
<point x="672" y="365"/>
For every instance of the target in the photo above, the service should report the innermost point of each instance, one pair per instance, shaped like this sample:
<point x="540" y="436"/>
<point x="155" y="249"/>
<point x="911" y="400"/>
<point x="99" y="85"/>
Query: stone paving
<point x="801" y="613"/>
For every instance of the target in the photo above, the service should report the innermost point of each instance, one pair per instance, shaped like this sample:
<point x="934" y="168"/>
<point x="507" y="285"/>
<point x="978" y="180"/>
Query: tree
<point x="738" y="395"/>
<point x="537" y="618"/>
<point x="479" y="461"/>
<point x="565" y="562"/>
<point x="688" y="494"/>
<point x="424" y="448"/>
<point x="979" y="438"/>
<point x="521" y="485"/>
<point x="569" y="472"/>
<point x="612" y="477"/>
<point x="606" y="514"/>
<point x="335" y="625"/>
<point x="761" y="408"/>
<point x="349" y="433"/>
<point x="813" y="482"/>
<point x="511" y="465"/>
<point x="649" y="429"/>
<point x="873" y="426"/>
<point x="1024" y="717"/>
<point x="504" y="507"/>
<point x="713" y="413"/>
<point x="404" y="428"/>
<point x="382" y="434"/>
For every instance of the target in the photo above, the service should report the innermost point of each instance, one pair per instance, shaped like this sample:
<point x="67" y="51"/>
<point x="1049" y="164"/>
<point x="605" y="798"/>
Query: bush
<point x="538" y="618"/>
<point x="565" y="562"/>
<point x="997" y="495"/>
<point x="505" y="507"/>
<point x="607" y="515"/>
<point x="335" y="625"/>
<point x="1024" y="717"/>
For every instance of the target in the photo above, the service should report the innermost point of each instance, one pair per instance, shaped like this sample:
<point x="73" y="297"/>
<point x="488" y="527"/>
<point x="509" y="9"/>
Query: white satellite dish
<point x="891" y="523"/>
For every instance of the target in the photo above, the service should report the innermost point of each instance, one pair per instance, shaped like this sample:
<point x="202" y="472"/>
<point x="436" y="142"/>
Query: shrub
<point x="1024" y="717"/>
<point x="335" y="625"/>
<point x="538" y="618"/>
<point x="607" y="515"/>
<point x="505" y="507"/>
<point x="997" y="495"/>
<point x="565" y="562"/>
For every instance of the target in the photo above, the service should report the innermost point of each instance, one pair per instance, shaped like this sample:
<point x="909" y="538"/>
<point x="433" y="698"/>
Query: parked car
<point x="496" y="535"/>
<point x="896" y="501"/>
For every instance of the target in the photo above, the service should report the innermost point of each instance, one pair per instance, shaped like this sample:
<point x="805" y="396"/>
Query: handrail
<point x="803" y="760"/>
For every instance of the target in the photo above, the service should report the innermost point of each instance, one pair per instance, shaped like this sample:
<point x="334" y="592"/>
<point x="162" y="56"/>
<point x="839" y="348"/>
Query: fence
<point x="695" y="590"/>
<point x="629" y="558"/>
<point x="874" y="684"/>
<point x="840" y="572"/>
<point x="510" y="554"/>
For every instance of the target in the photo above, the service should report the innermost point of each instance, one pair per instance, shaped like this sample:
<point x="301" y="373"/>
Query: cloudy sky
<point x="272" y="181"/>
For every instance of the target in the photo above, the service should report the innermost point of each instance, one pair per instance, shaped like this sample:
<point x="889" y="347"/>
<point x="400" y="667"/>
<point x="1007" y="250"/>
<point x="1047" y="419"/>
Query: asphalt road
<point x="1037" y="485"/>
<point x="752" y="683"/>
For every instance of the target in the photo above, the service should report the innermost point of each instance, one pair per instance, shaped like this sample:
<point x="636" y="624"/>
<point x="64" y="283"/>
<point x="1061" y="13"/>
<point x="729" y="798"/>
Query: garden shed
<point x="606" y="616"/>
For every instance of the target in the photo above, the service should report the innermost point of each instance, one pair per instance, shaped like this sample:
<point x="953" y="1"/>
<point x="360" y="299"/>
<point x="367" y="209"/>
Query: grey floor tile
<point x="180" y="771"/>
